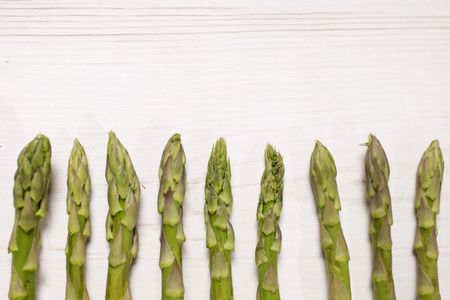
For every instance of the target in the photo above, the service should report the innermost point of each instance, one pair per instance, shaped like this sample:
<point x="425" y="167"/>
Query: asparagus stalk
<point x="121" y="231"/>
<point x="377" y="177"/>
<point x="172" y="176"/>
<point x="219" y="231"/>
<point x="323" y="180"/>
<point x="269" y="233"/>
<point x="31" y="185"/>
<point x="428" y="195"/>
<point x="79" y="227"/>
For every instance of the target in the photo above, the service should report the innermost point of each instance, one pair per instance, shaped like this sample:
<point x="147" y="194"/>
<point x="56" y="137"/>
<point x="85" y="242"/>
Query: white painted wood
<point x="284" y="72"/>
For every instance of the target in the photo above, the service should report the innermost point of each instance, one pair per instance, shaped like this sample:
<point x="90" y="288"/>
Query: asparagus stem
<point x="31" y="185"/>
<point x="269" y="233"/>
<point x="428" y="196"/>
<point x="334" y="247"/>
<point x="172" y="176"/>
<point x="377" y="177"/>
<point x="79" y="227"/>
<point x="219" y="231"/>
<point x="121" y="231"/>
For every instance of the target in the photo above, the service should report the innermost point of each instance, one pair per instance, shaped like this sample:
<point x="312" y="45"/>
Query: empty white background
<point x="284" y="72"/>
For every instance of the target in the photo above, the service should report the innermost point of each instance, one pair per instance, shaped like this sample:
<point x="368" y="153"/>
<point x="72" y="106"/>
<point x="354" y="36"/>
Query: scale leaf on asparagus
<point x="31" y="186"/>
<point x="172" y="176"/>
<point x="427" y="202"/>
<point x="323" y="180"/>
<point x="219" y="231"/>
<point x="121" y="231"/>
<point x="269" y="233"/>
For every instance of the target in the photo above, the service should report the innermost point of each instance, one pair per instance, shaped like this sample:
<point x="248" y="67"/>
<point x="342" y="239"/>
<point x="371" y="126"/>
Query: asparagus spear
<point x="79" y="227"/>
<point x="377" y="177"/>
<point x="323" y="180"/>
<point x="219" y="232"/>
<point x="269" y="233"/>
<point x="31" y="185"/>
<point x="121" y="231"/>
<point x="172" y="176"/>
<point x="428" y="195"/>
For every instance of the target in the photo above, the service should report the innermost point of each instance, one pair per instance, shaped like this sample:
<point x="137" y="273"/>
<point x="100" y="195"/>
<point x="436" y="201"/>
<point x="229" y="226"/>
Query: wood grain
<point x="283" y="72"/>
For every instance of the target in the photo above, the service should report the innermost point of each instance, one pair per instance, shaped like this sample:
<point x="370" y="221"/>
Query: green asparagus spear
<point x="377" y="177"/>
<point x="269" y="233"/>
<point x="323" y="180"/>
<point x="31" y="185"/>
<point x="219" y="232"/>
<point x="172" y="176"/>
<point x="121" y="231"/>
<point x="428" y="196"/>
<point x="79" y="227"/>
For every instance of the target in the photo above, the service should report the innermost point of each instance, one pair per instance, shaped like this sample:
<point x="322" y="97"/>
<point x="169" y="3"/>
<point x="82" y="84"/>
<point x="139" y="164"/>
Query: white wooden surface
<point x="285" y="72"/>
